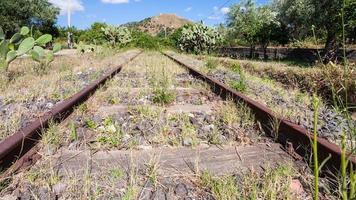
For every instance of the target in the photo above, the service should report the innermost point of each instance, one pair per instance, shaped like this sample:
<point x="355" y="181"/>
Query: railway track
<point x="149" y="133"/>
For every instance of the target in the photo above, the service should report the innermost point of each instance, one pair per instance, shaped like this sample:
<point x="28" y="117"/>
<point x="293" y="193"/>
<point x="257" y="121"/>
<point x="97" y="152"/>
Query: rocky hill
<point x="157" y="24"/>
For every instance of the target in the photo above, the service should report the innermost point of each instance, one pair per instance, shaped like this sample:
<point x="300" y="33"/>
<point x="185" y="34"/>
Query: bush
<point x="211" y="63"/>
<point x="198" y="38"/>
<point x="144" y="41"/>
<point x="116" y="35"/>
<point x="326" y="82"/>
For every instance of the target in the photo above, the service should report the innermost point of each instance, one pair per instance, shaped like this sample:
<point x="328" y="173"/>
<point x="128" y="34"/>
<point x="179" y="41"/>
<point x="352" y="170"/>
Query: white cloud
<point x="65" y="5"/>
<point x="219" y="13"/>
<point x="213" y="17"/>
<point x="225" y="10"/>
<point x="115" y="1"/>
<point x="188" y="9"/>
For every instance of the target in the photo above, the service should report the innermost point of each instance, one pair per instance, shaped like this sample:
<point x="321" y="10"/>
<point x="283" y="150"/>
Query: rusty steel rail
<point x="288" y="132"/>
<point x="18" y="147"/>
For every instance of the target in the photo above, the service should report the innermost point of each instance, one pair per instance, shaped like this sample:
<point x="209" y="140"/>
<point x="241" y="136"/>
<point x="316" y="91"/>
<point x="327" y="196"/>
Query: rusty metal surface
<point x="17" y="145"/>
<point x="288" y="131"/>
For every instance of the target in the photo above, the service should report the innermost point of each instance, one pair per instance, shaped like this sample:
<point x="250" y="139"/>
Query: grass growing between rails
<point x="272" y="184"/>
<point x="26" y="94"/>
<point x="326" y="80"/>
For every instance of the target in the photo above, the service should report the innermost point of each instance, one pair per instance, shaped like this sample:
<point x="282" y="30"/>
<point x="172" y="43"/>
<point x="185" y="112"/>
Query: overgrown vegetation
<point x="272" y="184"/>
<point x="117" y="36"/>
<point x="21" y="43"/>
<point x="198" y="38"/>
<point x="290" y="22"/>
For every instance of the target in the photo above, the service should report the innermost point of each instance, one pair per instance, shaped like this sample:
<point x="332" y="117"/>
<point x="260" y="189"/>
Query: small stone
<point x="180" y="99"/>
<point x="43" y="193"/>
<point x="159" y="195"/>
<point x="208" y="128"/>
<point x="187" y="142"/>
<point x="73" y="145"/>
<point x="194" y="121"/>
<point x="296" y="187"/>
<point x="209" y="118"/>
<point x="191" y="115"/>
<point x="126" y="138"/>
<point x="59" y="188"/>
<point x="181" y="190"/>
<point x="49" y="105"/>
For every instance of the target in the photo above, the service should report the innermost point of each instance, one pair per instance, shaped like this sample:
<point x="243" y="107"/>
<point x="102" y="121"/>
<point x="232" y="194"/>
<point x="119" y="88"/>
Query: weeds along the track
<point x="151" y="133"/>
<point x="155" y="102"/>
<point x="28" y="94"/>
<point x="285" y="102"/>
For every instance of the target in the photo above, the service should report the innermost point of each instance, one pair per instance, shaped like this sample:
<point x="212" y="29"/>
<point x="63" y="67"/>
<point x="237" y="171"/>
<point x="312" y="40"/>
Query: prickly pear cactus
<point x="42" y="56"/>
<point x="20" y="44"/>
<point x="16" y="46"/>
<point x="199" y="38"/>
<point x="116" y="35"/>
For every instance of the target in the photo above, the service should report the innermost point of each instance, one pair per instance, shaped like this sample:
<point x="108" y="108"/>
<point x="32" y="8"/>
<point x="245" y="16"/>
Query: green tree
<point x="350" y="21"/>
<point x="94" y="34"/>
<point x="256" y="25"/>
<point x="244" y="22"/>
<point x="325" y="15"/>
<point x="37" y="13"/>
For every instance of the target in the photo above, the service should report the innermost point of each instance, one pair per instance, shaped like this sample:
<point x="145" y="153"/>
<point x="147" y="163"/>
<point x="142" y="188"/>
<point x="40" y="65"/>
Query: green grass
<point x="91" y="124"/>
<point x="163" y="96"/>
<point x="239" y="85"/>
<point x="52" y="136"/>
<point x="117" y="173"/>
<point x="111" y="134"/>
<point x="272" y="184"/>
<point x="221" y="188"/>
<point x="211" y="63"/>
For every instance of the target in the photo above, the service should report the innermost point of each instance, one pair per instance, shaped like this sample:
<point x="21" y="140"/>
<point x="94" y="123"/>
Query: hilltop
<point x="157" y="24"/>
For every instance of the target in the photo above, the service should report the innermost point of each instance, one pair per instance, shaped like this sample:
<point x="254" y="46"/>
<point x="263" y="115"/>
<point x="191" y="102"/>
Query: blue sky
<point x="85" y="12"/>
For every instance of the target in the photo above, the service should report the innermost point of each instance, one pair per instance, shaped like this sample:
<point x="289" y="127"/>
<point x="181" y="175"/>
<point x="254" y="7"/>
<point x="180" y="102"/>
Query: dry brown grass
<point x="23" y="88"/>
<point x="316" y="79"/>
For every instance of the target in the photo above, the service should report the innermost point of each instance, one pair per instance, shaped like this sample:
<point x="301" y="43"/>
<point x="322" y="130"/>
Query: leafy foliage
<point x="94" y="34"/>
<point x="198" y="38"/>
<point x="145" y="41"/>
<point x="42" y="56"/>
<point x="300" y="16"/>
<point x="256" y="25"/>
<point x="117" y="35"/>
<point x="20" y="43"/>
<point x="37" y="13"/>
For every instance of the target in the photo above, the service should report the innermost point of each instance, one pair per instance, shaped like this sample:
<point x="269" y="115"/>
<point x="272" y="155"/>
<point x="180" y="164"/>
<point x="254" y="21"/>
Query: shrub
<point x="198" y="38"/>
<point x="145" y="41"/>
<point x="20" y="44"/>
<point x="163" y="96"/>
<point x="117" y="35"/>
<point x="44" y="57"/>
<point x="211" y="64"/>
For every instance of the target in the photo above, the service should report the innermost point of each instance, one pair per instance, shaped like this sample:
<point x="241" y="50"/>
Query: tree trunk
<point x="331" y="47"/>
<point x="252" y="48"/>
<point x="265" y="57"/>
